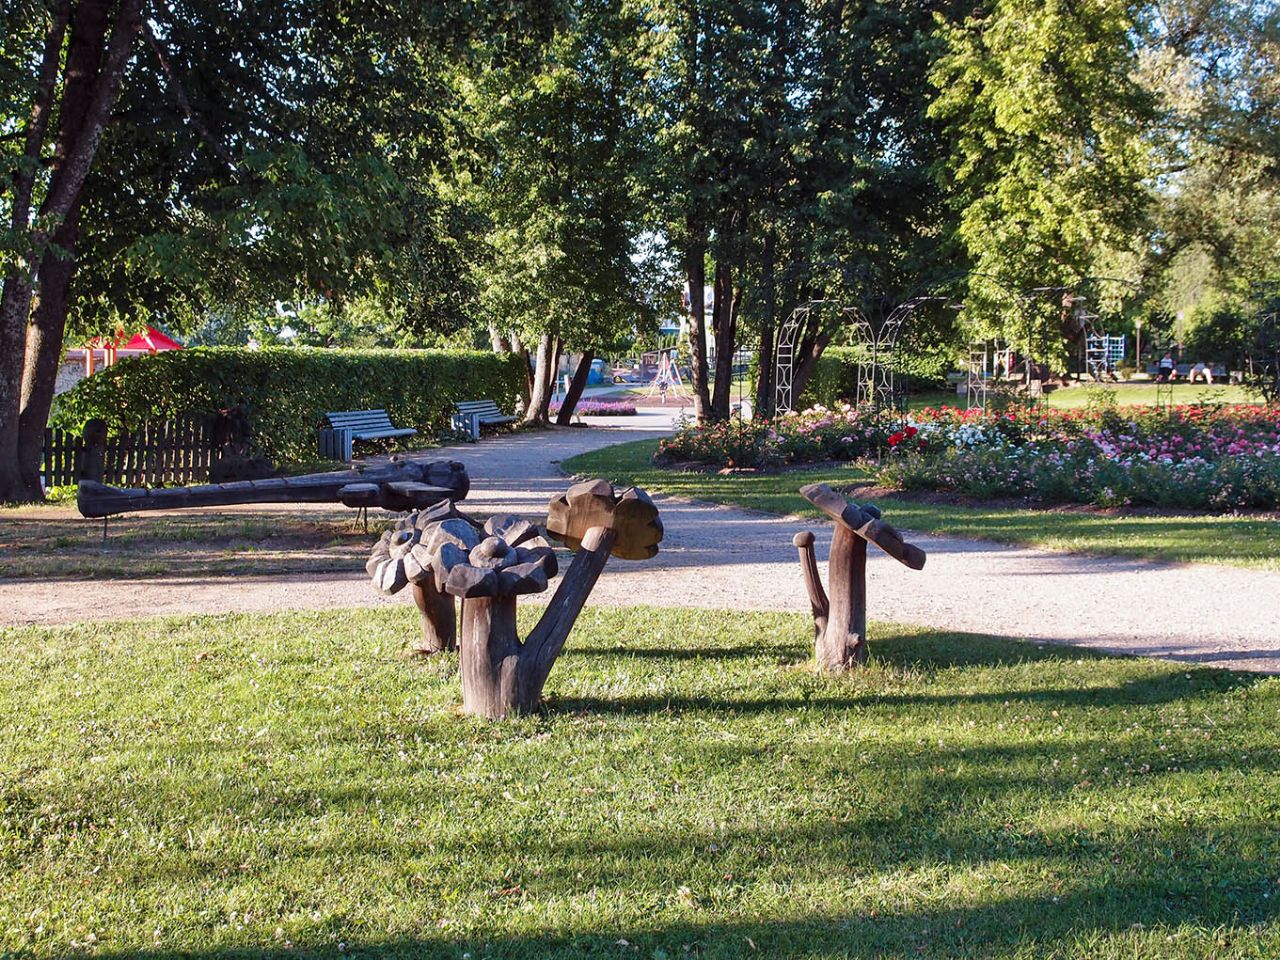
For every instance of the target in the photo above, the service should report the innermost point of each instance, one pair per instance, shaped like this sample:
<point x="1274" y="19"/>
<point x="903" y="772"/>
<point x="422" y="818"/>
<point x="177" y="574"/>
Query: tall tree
<point x="79" y="87"/>
<point x="214" y="152"/>
<point x="1049" y="156"/>
<point x="558" y="142"/>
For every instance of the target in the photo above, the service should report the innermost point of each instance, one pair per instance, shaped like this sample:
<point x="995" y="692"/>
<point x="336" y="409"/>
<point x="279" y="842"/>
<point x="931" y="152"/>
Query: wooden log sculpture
<point x="445" y="555"/>
<point x="397" y="485"/>
<point x="840" y="623"/>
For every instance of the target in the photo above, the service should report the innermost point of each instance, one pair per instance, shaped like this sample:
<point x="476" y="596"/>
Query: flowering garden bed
<point x="813" y="436"/>
<point x="1220" y="458"/>
<point x="1190" y="457"/>
<point x="600" y="408"/>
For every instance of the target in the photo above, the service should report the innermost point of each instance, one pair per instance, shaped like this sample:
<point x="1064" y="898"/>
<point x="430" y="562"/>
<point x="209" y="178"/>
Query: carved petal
<point x="468" y="581"/>
<point x="511" y="529"/>
<point x="390" y="577"/>
<point x="455" y="531"/>
<point x="523" y="578"/>
<point x="542" y="555"/>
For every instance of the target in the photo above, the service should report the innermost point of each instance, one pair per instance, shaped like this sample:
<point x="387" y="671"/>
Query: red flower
<point x="896" y="438"/>
<point x="910" y="432"/>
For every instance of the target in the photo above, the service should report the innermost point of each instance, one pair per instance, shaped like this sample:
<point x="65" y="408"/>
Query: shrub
<point x="288" y="390"/>
<point x="835" y="378"/>
<point x="817" y="434"/>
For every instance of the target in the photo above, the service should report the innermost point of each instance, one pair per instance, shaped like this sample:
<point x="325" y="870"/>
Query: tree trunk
<point x="500" y="342"/>
<point x="723" y="324"/>
<point x="766" y="385"/>
<point x="579" y="383"/>
<point x="843" y="641"/>
<point x="15" y="299"/>
<point x="490" y="650"/>
<point x="44" y="348"/>
<point x="94" y="72"/>
<point x="439" y="617"/>
<point x="806" y="362"/>
<point x="696" y="274"/>
<point x="540" y="390"/>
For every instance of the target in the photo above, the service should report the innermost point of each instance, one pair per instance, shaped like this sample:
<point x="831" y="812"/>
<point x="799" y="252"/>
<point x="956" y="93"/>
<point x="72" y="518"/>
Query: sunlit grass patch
<point x="293" y="785"/>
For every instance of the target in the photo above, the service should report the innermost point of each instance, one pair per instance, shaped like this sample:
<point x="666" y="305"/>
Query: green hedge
<point x="287" y="390"/>
<point x="835" y="378"/>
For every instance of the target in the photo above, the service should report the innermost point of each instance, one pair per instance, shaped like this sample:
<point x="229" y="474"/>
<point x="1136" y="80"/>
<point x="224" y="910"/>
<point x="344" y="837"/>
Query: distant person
<point x="1201" y="369"/>
<point x="1166" y="370"/>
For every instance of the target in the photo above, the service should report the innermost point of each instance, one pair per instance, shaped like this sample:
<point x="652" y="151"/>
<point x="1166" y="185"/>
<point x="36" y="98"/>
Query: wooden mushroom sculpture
<point x="500" y="674"/>
<point x="840" y="623"/>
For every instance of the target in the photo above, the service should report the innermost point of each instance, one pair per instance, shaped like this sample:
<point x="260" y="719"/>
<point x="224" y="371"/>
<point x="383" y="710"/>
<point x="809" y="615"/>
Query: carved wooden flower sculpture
<point x="512" y="559"/>
<point x="443" y="554"/>
<point x="405" y="556"/>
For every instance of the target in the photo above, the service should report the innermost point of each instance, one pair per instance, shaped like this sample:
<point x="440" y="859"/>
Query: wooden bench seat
<point x="474" y="414"/>
<point x="347" y="426"/>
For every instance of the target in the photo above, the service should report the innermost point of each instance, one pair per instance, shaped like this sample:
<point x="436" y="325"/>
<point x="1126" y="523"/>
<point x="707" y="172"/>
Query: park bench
<point x="347" y="426"/>
<point x="474" y="414"/>
<point x="1220" y="373"/>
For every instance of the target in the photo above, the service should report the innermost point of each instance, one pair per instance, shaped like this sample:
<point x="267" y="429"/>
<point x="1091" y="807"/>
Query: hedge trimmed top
<point x="287" y="390"/>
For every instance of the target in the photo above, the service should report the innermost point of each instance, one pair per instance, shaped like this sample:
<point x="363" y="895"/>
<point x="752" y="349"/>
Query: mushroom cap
<point x="631" y="515"/>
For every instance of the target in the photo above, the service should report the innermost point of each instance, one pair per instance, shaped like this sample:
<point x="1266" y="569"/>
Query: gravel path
<point x="719" y="557"/>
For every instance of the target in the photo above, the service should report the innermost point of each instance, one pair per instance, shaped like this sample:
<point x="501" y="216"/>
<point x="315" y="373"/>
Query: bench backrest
<point x="360" y="420"/>
<point x="485" y="408"/>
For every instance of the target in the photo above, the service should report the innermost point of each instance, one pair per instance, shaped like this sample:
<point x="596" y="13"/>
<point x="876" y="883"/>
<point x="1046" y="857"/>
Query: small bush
<point x="816" y="435"/>
<point x="287" y="390"/>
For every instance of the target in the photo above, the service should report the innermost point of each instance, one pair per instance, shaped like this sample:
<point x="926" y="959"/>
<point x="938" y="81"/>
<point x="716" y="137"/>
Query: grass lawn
<point x="52" y="541"/>
<point x="288" y="785"/>
<point x="1126" y="394"/>
<point x="1233" y="540"/>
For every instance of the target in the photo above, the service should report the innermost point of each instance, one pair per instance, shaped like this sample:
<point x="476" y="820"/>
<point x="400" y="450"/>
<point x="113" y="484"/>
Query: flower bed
<point x="599" y="408"/>
<point x="813" y="436"/>
<point x="1198" y="457"/>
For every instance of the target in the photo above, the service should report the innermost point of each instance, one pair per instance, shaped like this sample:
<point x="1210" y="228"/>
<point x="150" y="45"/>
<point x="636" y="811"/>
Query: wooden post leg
<point x="547" y="639"/>
<point x="439" y="617"/>
<point x="843" y="644"/>
<point x="803" y="542"/>
<point x="490" y="653"/>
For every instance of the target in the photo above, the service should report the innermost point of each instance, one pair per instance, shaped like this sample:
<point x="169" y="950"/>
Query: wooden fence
<point x="161" y="453"/>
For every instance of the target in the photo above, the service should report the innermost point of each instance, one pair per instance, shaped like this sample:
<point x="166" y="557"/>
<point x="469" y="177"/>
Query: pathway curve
<point x="720" y="557"/>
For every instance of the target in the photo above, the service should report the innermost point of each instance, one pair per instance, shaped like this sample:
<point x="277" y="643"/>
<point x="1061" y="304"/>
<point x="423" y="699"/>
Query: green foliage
<point x="1048" y="157"/>
<point x="835" y="378"/>
<point x="553" y="149"/>
<point x="287" y="391"/>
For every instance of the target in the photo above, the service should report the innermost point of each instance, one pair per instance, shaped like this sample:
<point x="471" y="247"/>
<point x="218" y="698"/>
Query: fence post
<point x="93" y="457"/>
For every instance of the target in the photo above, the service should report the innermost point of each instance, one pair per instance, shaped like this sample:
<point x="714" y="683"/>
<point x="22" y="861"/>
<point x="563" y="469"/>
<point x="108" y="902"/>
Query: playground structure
<point x="840" y="622"/>
<point x="667" y="380"/>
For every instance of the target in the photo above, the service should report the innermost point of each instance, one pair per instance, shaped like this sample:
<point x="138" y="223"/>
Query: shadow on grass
<point x="1137" y="913"/>
<point x="921" y="653"/>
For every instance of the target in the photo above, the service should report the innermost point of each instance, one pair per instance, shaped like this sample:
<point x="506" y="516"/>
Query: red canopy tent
<point x="149" y="340"/>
